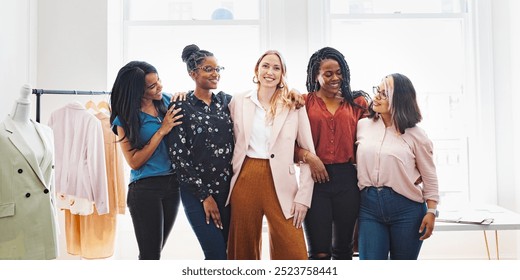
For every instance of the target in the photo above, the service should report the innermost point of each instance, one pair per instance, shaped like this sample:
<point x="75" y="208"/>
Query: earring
<point x="316" y="86"/>
<point x="280" y="85"/>
<point x="255" y="80"/>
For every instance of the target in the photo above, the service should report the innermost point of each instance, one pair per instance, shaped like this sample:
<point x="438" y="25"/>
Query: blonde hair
<point x="281" y="94"/>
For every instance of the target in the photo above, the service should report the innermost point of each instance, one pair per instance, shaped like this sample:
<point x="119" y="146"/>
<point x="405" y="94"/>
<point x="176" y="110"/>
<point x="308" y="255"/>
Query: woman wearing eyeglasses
<point x="396" y="174"/>
<point x="201" y="149"/>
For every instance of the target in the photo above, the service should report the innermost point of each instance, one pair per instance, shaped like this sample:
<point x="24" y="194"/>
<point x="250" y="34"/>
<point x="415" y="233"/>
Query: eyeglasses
<point x="209" y="69"/>
<point x="377" y="91"/>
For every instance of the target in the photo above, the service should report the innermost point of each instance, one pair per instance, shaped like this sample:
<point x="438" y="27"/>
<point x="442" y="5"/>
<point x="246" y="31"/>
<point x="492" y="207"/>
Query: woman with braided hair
<point x="333" y="110"/>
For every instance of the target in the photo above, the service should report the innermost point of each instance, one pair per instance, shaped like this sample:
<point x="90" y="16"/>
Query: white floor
<point x="183" y="245"/>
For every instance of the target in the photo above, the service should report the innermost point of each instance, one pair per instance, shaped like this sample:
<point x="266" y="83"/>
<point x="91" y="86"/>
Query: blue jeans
<point x="389" y="225"/>
<point x="212" y="239"/>
<point x="153" y="203"/>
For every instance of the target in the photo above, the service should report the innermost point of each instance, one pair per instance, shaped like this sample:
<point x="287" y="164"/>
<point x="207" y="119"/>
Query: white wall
<point x="72" y="50"/>
<point x="67" y="45"/>
<point x="506" y="30"/>
<point x="17" y="46"/>
<point x="506" y="43"/>
<point x="482" y="107"/>
<point x="515" y="73"/>
<point x="52" y="44"/>
<point x="290" y="38"/>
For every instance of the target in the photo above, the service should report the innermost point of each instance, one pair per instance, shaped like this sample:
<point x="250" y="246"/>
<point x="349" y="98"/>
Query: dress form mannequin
<point x="20" y="116"/>
<point x="28" y="221"/>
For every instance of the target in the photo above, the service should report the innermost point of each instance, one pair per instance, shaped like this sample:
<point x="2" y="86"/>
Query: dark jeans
<point x="153" y="204"/>
<point x="329" y="224"/>
<point x="389" y="225"/>
<point x="212" y="239"/>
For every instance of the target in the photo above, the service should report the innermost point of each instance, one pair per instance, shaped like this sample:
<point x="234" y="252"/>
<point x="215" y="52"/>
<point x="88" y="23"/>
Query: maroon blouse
<point x="334" y="135"/>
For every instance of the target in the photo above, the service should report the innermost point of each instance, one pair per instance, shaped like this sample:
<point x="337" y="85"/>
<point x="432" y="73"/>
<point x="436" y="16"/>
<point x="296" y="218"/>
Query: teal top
<point x="159" y="163"/>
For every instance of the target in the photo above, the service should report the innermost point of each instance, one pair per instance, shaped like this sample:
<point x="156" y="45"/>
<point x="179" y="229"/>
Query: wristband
<point x="433" y="211"/>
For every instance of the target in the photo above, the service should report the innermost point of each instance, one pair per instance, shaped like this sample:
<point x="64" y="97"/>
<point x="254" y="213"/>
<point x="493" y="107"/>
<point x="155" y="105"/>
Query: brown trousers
<point x="253" y="197"/>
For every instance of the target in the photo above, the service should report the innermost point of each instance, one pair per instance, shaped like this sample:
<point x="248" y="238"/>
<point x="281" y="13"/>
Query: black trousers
<point x="153" y="203"/>
<point x="329" y="224"/>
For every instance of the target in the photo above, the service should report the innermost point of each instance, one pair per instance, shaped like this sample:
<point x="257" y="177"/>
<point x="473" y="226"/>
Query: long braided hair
<point x="313" y="69"/>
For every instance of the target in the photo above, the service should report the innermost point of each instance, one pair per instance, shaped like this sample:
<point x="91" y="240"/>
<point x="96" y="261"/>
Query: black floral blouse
<point x="201" y="147"/>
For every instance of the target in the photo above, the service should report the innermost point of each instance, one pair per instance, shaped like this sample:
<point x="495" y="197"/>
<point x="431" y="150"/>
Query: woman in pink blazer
<point x="267" y="125"/>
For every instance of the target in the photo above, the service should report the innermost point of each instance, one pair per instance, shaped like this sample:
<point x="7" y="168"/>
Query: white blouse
<point x="260" y="132"/>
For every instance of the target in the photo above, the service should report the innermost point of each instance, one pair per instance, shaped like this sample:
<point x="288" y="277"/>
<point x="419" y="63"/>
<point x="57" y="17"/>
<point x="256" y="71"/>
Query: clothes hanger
<point x="103" y="106"/>
<point x="91" y="106"/>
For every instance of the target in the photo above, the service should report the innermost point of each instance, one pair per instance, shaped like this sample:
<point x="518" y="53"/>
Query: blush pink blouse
<point x="387" y="158"/>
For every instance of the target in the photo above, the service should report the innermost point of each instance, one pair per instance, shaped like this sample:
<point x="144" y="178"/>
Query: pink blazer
<point x="289" y="126"/>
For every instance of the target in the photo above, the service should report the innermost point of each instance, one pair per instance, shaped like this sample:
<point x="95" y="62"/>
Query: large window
<point x="430" y="41"/>
<point x="157" y="30"/>
<point x="426" y="41"/>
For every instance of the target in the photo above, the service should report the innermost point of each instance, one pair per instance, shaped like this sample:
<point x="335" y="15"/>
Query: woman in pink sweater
<point x="396" y="175"/>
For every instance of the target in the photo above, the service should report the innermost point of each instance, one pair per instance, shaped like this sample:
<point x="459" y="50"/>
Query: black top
<point x="201" y="148"/>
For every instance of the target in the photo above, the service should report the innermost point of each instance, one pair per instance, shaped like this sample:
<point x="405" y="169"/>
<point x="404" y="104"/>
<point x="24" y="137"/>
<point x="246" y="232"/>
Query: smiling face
<point x="269" y="71"/>
<point x="153" y="87"/>
<point x="381" y="99"/>
<point x="206" y="76"/>
<point x="330" y="76"/>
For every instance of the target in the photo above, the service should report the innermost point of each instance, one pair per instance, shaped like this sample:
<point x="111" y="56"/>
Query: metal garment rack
<point x="40" y="92"/>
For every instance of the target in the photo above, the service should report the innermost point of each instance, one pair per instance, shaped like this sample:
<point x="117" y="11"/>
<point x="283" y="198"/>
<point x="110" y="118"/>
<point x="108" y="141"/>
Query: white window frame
<point x="261" y="22"/>
<point x="477" y="87"/>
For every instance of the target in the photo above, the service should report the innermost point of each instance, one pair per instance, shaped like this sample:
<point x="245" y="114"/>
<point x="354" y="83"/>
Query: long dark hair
<point x="313" y="69"/>
<point x="125" y="100"/>
<point x="403" y="103"/>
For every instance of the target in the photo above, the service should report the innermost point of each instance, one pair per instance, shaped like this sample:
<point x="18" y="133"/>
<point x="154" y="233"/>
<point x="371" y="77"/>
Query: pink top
<point x="387" y="158"/>
<point x="80" y="155"/>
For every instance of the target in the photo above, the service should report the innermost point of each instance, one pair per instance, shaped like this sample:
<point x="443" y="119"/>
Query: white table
<point x="503" y="219"/>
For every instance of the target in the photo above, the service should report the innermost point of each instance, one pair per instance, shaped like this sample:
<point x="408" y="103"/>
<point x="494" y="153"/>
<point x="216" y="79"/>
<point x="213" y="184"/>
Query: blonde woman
<point x="266" y="126"/>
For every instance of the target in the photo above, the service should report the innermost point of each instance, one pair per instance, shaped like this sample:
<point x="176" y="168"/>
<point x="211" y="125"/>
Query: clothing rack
<point x="40" y="92"/>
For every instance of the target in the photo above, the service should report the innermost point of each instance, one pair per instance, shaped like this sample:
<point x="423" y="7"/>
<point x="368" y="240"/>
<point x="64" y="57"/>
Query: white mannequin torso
<point x="28" y="218"/>
<point x="24" y="125"/>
